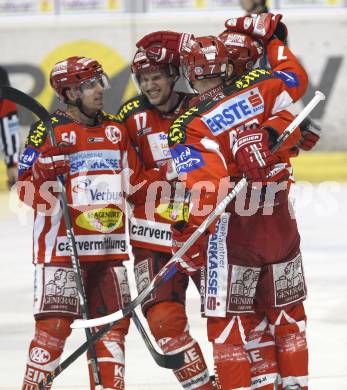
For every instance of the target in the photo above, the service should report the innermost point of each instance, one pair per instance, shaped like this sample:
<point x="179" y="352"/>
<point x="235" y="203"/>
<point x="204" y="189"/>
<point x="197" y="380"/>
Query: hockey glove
<point x="51" y="163"/>
<point x="310" y="132"/>
<point x="195" y="257"/>
<point x="252" y="154"/>
<point x="262" y="27"/>
<point x="164" y="47"/>
<point x="310" y="135"/>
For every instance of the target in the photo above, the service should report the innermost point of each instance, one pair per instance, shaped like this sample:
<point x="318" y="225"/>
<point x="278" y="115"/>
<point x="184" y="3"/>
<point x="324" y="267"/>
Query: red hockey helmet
<point x="141" y="63"/>
<point x="75" y="71"/>
<point x="243" y="51"/>
<point x="204" y="57"/>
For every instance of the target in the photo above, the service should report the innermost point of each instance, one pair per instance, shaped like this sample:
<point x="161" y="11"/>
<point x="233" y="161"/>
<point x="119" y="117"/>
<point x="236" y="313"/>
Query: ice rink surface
<point x="322" y="218"/>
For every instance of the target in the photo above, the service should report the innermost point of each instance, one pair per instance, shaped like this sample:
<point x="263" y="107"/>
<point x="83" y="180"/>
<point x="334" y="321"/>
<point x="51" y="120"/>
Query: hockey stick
<point x="40" y="111"/>
<point x="170" y="268"/>
<point x="173" y="361"/>
<point x="166" y="361"/>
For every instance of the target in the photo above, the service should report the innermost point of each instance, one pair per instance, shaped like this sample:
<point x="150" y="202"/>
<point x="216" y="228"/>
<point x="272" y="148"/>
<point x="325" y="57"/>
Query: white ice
<point x="322" y="216"/>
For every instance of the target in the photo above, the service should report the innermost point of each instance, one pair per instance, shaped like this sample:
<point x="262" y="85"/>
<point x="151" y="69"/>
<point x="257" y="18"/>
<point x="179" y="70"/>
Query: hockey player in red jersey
<point x="261" y="347"/>
<point x="9" y="133"/>
<point x="232" y="132"/>
<point x="95" y="156"/>
<point x="148" y="117"/>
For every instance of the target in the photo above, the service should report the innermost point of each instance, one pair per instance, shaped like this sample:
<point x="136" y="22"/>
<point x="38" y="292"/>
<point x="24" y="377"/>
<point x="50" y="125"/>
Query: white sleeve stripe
<point x="282" y="101"/>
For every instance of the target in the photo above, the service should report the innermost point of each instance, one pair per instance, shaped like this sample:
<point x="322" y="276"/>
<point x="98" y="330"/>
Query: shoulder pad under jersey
<point x="250" y="78"/>
<point x="177" y="131"/>
<point x="38" y="131"/>
<point x="132" y="106"/>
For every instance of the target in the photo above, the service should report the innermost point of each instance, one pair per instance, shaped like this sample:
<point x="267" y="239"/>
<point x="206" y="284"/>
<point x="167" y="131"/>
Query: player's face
<point x="156" y="86"/>
<point x="92" y="95"/>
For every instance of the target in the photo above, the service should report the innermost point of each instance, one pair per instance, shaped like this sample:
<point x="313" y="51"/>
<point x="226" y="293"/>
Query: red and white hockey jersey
<point x="148" y="128"/>
<point x="99" y="180"/>
<point x="202" y="138"/>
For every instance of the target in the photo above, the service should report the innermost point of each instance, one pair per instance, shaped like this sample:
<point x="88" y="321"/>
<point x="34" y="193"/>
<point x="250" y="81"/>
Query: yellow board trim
<point x="316" y="167"/>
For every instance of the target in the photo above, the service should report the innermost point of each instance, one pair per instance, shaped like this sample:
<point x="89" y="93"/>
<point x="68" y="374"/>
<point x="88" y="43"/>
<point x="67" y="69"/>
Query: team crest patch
<point x="113" y="133"/>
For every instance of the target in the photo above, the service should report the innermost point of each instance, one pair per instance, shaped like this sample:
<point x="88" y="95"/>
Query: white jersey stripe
<point x="51" y="235"/>
<point x="39" y="224"/>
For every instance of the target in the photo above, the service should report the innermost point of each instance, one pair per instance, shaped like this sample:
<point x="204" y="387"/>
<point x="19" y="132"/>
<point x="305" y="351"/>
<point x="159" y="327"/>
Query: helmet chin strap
<point x="79" y="105"/>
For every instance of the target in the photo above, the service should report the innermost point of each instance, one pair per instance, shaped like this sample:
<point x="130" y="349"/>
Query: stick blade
<point x="82" y="324"/>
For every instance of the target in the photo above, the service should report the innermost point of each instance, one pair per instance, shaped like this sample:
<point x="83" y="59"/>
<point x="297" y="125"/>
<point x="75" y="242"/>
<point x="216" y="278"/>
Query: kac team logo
<point x="39" y="355"/>
<point x="113" y="133"/>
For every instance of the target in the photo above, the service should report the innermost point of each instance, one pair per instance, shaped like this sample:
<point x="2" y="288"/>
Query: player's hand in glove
<point x="164" y="47"/>
<point x="51" y="163"/>
<point x="262" y="27"/>
<point x="252" y="153"/>
<point x="195" y="257"/>
<point x="310" y="135"/>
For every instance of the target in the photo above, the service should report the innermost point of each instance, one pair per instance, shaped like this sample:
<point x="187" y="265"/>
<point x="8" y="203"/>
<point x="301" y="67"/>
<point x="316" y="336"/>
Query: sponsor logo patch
<point x="95" y="160"/>
<point x="103" y="220"/>
<point x="159" y="146"/>
<point x="243" y="282"/>
<point x="234" y="111"/>
<point x="92" y="245"/>
<point x="217" y="270"/>
<point x="289" y="281"/>
<point x="144" y="231"/>
<point x="186" y="158"/>
<point x="173" y="212"/>
<point x="27" y="159"/>
<point x="95" y="139"/>
<point x="96" y="189"/>
<point x="60" y="291"/>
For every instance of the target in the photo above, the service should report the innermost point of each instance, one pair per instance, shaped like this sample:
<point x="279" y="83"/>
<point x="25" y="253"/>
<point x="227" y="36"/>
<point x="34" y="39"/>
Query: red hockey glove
<point x="164" y="47"/>
<point x="310" y="135"/>
<point x="310" y="132"/>
<point x="195" y="257"/>
<point x="261" y="27"/>
<point x="52" y="162"/>
<point x="252" y="154"/>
